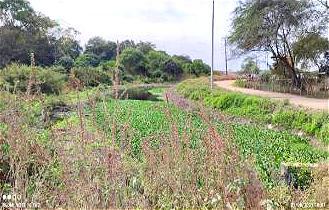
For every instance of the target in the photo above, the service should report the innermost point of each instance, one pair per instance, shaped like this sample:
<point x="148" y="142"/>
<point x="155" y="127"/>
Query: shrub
<point x="240" y="83"/>
<point x="195" y="89"/>
<point x="138" y="93"/>
<point x="67" y="62"/>
<point x="323" y="133"/>
<point x="16" y="78"/>
<point x="284" y="117"/>
<point x="92" y="76"/>
<point x="128" y="78"/>
<point x="87" y="60"/>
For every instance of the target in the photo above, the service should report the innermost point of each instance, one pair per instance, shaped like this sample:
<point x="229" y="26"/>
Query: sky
<point x="180" y="27"/>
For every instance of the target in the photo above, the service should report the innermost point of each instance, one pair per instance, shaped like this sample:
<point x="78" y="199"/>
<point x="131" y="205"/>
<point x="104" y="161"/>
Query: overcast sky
<point x="176" y="26"/>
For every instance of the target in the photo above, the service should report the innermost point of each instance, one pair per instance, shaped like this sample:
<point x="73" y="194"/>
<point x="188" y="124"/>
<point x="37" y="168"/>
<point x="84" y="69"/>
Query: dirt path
<point x="311" y="103"/>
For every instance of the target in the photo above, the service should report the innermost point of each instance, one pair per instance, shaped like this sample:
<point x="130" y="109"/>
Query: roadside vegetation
<point x="257" y="108"/>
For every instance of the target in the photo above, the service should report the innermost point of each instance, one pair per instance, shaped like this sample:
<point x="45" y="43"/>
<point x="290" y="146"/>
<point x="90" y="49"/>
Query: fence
<point x="310" y="87"/>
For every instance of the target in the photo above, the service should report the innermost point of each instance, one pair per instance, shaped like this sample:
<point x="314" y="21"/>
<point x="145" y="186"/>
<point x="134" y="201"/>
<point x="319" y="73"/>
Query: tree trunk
<point x="296" y="80"/>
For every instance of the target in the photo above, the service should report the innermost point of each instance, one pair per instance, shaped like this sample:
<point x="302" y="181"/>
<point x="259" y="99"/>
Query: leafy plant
<point x="16" y="78"/>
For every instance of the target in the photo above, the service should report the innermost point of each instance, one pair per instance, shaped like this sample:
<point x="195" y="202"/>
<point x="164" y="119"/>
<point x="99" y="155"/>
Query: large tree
<point x="22" y="31"/>
<point x="145" y="47"/>
<point x="275" y="26"/>
<point x="133" y="61"/>
<point x="105" y="50"/>
<point x="309" y="49"/>
<point x="67" y="44"/>
<point x="249" y="66"/>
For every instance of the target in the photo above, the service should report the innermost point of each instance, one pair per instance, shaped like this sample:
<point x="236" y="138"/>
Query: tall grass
<point x="72" y="162"/>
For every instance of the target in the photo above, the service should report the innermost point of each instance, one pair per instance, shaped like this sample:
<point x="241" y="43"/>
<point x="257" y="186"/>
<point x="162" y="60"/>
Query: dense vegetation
<point x="85" y="129"/>
<point x="257" y="108"/>
<point x="88" y="150"/>
<point x="24" y="31"/>
<point x="100" y="152"/>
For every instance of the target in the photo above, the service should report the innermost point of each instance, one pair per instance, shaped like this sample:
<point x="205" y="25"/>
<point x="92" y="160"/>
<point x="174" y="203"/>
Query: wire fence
<point x="310" y="87"/>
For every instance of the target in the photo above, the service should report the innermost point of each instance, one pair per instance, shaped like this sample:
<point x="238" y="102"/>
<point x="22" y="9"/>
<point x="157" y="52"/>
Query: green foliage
<point x="67" y="45"/>
<point x="137" y="93"/>
<point x="270" y="149"/>
<point x="324" y="133"/>
<point x="197" y="67"/>
<point x="105" y="50"/>
<point x="133" y="61"/>
<point x="309" y="48"/>
<point x="240" y="83"/>
<point x="87" y="60"/>
<point x="23" y="31"/>
<point x="145" y="47"/>
<point x="109" y="66"/>
<point x="256" y="108"/>
<point x="195" y="89"/>
<point x="92" y="76"/>
<point x="16" y="77"/>
<point x="148" y="119"/>
<point x="156" y="62"/>
<point x="275" y="26"/>
<point x="66" y="62"/>
<point x="249" y="66"/>
<point x="266" y="75"/>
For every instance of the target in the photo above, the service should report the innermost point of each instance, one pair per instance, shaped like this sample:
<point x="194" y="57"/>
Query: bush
<point x="284" y="118"/>
<point x="138" y="93"/>
<point x="128" y="78"/>
<point x="67" y="62"/>
<point x="323" y="133"/>
<point x="240" y="83"/>
<point x="16" y="78"/>
<point x="92" y="77"/>
<point x="87" y="60"/>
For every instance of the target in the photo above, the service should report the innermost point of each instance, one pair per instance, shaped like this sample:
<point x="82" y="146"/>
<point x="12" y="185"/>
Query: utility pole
<point x="226" y="56"/>
<point x="212" y="46"/>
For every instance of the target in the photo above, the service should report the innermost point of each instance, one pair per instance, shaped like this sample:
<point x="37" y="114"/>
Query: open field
<point x="92" y="119"/>
<point x="99" y="152"/>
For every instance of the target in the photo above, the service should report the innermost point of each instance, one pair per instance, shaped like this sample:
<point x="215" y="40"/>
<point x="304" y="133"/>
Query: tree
<point x="172" y="69"/>
<point x="105" y="50"/>
<point x="249" y="66"/>
<point x="308" y="49"/>
<point x="274" y="26"/>
<point x="127" y="44"/>
<point x="133" y="61"/>
<point x="156" y="61"/>
<point x="66" y="61"/>
<point x="67" y="45"/>
<point x="87" y="60"/>
<point x="183" y="61"/>
<point x="145" y="47"/>
<point x="20" y="14"/>
<point x="198" y="67"/>
<point x="324" y="67"/>
<point x="24" y="31"/>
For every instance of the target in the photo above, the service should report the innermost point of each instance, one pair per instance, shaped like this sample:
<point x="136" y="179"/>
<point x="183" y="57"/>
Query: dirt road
<point x="311" y="103"/>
